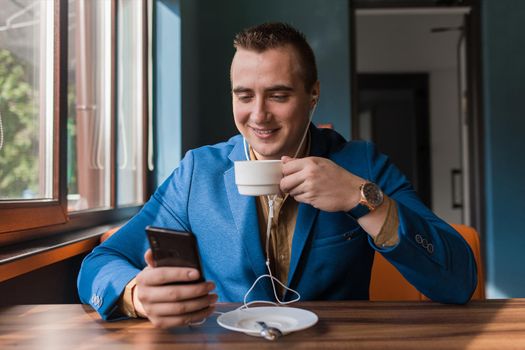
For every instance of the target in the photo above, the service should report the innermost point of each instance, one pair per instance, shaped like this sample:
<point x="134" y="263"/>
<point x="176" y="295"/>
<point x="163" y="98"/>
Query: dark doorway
<point x="394" y="114"/>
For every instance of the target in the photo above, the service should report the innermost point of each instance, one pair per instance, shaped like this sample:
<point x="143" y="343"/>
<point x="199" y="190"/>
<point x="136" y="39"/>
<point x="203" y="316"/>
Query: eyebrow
<point x="280" y="87"/>
<point x="240" y="90"/>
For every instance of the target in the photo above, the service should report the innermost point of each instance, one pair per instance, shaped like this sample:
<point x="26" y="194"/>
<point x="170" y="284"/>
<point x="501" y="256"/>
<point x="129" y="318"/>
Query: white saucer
<point x="287" y="319"/>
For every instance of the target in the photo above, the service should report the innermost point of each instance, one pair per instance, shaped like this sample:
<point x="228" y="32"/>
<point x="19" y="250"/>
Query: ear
<point x="316" y="90"/>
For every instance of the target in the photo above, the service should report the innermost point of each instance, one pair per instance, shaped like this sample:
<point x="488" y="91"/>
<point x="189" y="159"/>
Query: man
<point x="341" y="201"/>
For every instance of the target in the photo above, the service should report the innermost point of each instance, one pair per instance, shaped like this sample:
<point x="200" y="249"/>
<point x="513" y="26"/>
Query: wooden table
<point x="491" y="324"/>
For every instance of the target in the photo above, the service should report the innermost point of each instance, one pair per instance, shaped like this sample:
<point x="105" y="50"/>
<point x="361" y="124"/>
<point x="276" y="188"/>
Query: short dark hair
<point x="276" y="34"/>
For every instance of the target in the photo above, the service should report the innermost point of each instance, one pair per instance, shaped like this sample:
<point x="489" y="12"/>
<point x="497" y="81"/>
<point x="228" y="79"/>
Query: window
<point x="26" y="108"/>
<point x="73" y="113"/>
<point x="90" y="113"/>
<point x="131" y="105"/>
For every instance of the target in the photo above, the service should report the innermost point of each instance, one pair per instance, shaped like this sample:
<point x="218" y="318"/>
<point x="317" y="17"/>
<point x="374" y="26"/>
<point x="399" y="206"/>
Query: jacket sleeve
<point x="106" y="271"/>
<point x="430" y="254"/>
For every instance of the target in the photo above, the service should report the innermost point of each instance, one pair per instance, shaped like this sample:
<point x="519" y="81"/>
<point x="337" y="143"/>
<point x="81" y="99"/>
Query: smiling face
<point x="270" y="103"/>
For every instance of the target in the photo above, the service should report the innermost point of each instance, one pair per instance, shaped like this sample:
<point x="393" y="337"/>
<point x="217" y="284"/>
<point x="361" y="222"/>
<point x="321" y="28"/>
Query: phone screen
<point x="174" y="248"/>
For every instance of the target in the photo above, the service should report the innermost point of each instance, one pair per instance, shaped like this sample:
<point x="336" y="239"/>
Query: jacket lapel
<point x="305" y="219"/>
<point x="244" y="214"/>
<point x="306" y="214"/>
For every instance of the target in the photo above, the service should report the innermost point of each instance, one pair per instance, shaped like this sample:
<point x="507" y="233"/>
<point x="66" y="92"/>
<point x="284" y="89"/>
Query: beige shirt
<point x="281" y="232"/>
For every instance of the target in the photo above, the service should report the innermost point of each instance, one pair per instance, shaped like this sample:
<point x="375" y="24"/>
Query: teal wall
<point x="503" y="44"/>
<point x="167" y="80"/>
<point x="208" y="28"/>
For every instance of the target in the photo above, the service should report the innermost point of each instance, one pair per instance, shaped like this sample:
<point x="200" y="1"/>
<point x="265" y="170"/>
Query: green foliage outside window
<point x="72" y="184"/>
<point x="19" y="117"/>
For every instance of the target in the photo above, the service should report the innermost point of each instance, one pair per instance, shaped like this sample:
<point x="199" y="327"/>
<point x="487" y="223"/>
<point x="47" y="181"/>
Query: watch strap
<point x="358" y="211"/>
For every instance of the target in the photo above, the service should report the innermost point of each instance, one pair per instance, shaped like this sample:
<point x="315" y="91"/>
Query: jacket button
<point x="430" y="248"/>
<point x="419" y="239"/>
<point x="96" y="301"/>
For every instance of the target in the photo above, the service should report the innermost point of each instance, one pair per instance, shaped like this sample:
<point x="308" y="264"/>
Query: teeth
<point x="263" y="131"/>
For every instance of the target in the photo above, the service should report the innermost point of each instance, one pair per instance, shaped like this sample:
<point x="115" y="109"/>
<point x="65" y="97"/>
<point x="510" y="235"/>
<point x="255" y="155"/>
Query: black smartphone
<point x="174" y="248"/>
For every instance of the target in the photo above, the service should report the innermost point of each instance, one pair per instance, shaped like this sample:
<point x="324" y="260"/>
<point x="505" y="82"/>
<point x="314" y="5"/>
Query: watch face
<point x="373" y="194"/>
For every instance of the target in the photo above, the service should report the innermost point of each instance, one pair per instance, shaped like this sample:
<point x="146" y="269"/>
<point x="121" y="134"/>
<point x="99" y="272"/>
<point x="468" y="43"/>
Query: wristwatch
<point x="371" y="198"/>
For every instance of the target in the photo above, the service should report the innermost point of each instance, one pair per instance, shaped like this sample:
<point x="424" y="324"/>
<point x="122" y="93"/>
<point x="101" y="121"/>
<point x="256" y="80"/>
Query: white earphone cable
<point x="271" y="201"/>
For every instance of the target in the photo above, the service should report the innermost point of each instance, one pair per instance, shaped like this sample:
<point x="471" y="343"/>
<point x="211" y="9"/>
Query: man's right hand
<point x="169" y="305"/>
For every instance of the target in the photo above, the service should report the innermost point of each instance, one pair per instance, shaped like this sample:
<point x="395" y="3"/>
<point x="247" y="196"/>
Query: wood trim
<point x="15" y="219"/>
<point x="77" y="221"/>
<point x="23" y="265"/>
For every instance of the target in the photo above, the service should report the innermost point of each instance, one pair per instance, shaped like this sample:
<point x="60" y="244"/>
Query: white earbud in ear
<point x="315" y="102"/>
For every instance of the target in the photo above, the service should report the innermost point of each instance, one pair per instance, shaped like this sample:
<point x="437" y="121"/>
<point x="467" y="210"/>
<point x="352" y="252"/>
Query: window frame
<point x="25" y="220"/>
<point x="21" y="215"/>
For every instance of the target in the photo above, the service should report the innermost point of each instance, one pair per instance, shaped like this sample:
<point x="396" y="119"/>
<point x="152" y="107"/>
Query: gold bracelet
<point x="126" y="300"/>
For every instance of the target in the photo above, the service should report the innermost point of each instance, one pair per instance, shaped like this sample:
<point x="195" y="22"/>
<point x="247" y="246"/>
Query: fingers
<point x="174" y="293"/>
<point x="286" y="159"/>
<point x="169" y="305"/>
<point x="292" y="165"/>
<point x="166" y="275"/>
<point x="291" y="184"/>
<point x="148" y="256"/>
<point x="182" y="320"/>
<point x="183" y="307"/>
<point x="296" y="176"/>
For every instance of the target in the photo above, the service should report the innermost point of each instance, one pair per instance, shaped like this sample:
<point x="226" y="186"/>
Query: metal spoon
<point x="269" y="333"/>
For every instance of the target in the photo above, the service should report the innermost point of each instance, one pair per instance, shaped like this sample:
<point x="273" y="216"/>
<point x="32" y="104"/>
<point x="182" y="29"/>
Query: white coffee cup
<point x="258" y="177"/>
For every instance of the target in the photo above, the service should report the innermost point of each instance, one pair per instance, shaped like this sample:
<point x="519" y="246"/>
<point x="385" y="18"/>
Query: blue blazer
<point x="331" y="255"/>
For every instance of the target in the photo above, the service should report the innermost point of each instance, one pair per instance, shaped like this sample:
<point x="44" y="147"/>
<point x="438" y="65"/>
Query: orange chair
<point x="388" y="284"/>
